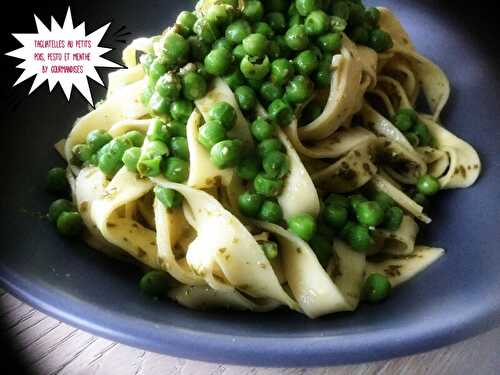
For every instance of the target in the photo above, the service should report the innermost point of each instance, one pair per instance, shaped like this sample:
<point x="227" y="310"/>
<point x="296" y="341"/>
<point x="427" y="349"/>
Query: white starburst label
<point x="63" y="55"/>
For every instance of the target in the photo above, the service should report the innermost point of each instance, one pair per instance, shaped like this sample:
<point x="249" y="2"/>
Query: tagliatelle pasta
<point x="267" y="166"/>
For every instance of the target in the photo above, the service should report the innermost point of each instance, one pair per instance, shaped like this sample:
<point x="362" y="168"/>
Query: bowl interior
<point x="456" y="297"/>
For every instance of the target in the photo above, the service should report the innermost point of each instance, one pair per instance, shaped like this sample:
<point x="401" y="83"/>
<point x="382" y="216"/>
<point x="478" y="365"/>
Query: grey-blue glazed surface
<point x="455" y="298"/>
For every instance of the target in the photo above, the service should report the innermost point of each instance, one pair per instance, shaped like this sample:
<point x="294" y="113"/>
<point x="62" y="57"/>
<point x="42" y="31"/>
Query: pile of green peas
<point x="417" y="133"/>
<point x="355" y="217"/>
<point x="165" y="152"/>
<point x="62" y="213"/>
<point x="264" y="171"/>
<point x="109" y="154"/>
<point x="273" y="51"/>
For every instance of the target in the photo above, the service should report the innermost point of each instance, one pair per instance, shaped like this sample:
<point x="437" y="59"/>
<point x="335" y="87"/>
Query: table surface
<point x="48" y="346"/>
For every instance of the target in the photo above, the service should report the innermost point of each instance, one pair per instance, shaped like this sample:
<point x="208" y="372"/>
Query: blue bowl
<point x="457" y="297"/>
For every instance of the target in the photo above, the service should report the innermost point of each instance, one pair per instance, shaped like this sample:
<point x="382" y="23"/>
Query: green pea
<point x="83" y="152"/>
<point x="194" y="86"/>
<point x="226" y="154"/>
<point x="380" y="40"/>
<point x="157" y="131"/>
<point x="336" y="215"/>
<point x="135" y="137"/>
<point x="393" y="218"/>
<point x="131" y="157"/>
<point x="218" y="61"/>
<point x="428" y="185"/>
<point x="299" y="89"/>
<point x="356" y="14"/>
<point x="296" y="19"/>
<point x="306" y="62"/>
<point x="270" y="249"/>
<point x="282" y="71"/>
<point x="179" y="147"/>
<point x="269" y="145"/>
<point x="157" y="69"/>
<point x="338" y="200"/>
<point x="181" y="110"/>
<point x="338" y="24"/>
<point x="296" y="38"/>
<point x="424" y="136"/>
<point x="255" y="68"/>
<point x="156" y="148"/>
<point x="56" y="180"/>
<point x="176" y="48"/>
<point x="234" y="79"/>
<point x="246" y="98"/>
<point x="341" y="9"/>
<point x="370" y="213"/>
<point x="158" y="104"/>
<point x="360" y="239"/>
<point x="239" y="53"/>
<point x="206" y="30"/>
<point x="237" y="31"/>
<point x="345" y="232"/>
<point x="331" y="42"/>
<point x="267" y="186"/>
<point x="168" y="197"/>
<point x="211" y="133"/>
<point x="109" y="164"/>
<point x="277" y="22"/>
<point x="302" y="225"/>
<point x="69" y="224"/>
<point x="410" y="112"/>
<point x="185" y="22"/>
<point x="304" y="7"/>
<point x="248" y="168"/>
<point x="355" y="200"/>
<point x="146" y="60"/>
<point x="59" y="206"/>
<point x="154" y="283"/>
<point x="261" y="129"/>
<point x="98" y="138"/>
<point x="149" y="166"/>
<point x="264" y="29"/>
<point x="199" y="48"/>
<point x="383" y="199"/>
<point x="255" y="45"/>
<point x="376" y="288"/>
<point x="360" y="35"/>
<point x="322" y="247"/>
<point x="250" y="204"/>
<point x="253" y="11"/>
<point x="219" y="14"/>
<point x="271" y="212"/>
<point x="372" y="16"/>
<point x="270" y="91"/>
<point x="176" y="170"/>
<point x="175" y="128"/>
<point x="94" y="160"/>
<point x="280" y="112"/>
<point x="317" y="23"/>
<point x="276" y="164"/>
<point x="403" y="121"/>
<point x="224" y="113"/>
